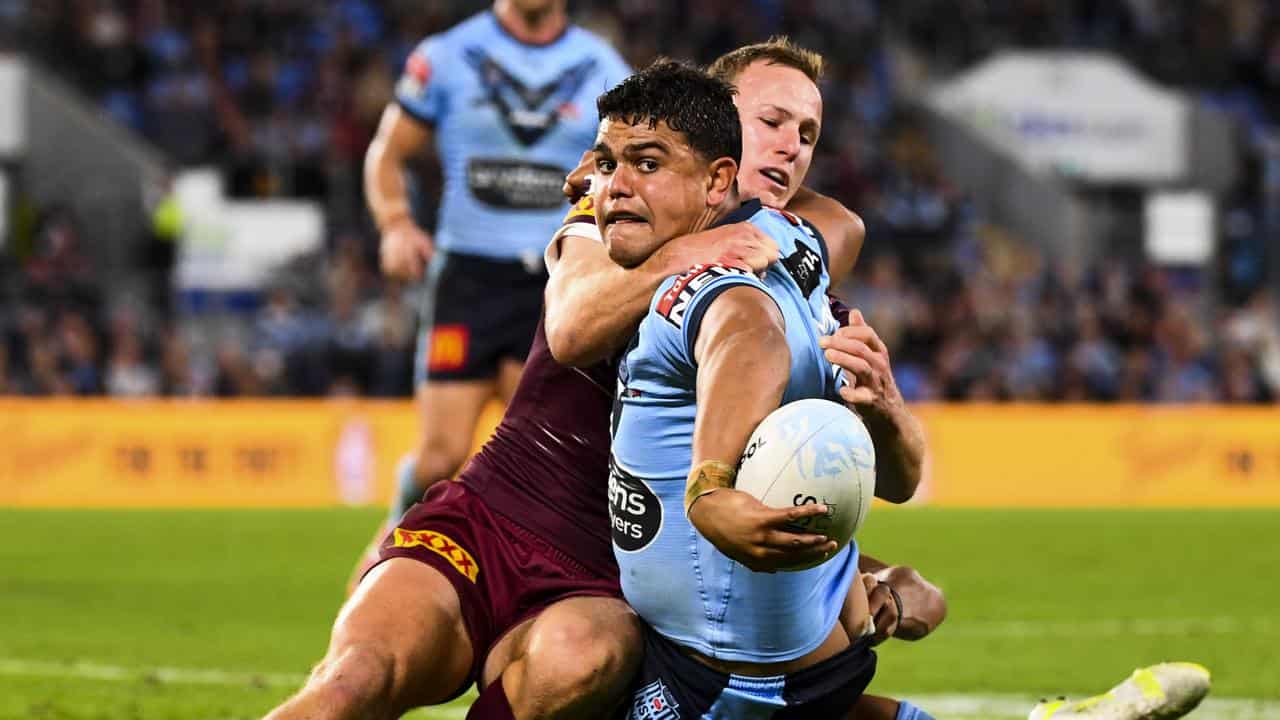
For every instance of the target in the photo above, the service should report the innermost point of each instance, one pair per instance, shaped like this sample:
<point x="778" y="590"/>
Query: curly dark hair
<point x="687" y="99"/>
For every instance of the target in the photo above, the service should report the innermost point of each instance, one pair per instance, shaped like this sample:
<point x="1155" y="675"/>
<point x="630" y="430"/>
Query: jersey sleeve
<point x="678" y="308"/>
<point x="420" y="90"/>
<point x="580" y="221"/>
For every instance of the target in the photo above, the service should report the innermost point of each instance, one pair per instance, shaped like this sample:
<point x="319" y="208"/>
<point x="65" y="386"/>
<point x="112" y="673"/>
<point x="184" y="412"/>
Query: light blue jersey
<point x="674" y="577"/>
<point x="510" y="120"/>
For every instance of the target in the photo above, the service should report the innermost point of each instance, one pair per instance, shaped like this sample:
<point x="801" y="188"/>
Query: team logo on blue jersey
<point x="654" y="702"/>
<point x="805" y="267"/>
<point x="529" y="112"/>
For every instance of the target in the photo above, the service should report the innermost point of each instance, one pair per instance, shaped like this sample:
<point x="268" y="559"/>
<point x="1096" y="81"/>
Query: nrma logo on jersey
<point x="675" y="301"/>
<point x="654" y="702"/>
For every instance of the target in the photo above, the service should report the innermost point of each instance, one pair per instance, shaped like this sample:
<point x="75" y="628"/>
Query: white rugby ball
<point x="813" y="451"/>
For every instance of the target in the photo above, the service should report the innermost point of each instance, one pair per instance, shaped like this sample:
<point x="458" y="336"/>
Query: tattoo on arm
<point x="706" y="478"/>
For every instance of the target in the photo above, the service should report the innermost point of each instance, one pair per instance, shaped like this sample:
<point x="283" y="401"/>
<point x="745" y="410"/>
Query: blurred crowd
<point x="284" y="95"/>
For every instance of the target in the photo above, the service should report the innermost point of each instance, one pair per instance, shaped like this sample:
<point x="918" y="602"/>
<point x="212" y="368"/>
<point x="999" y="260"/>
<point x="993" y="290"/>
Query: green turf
<point x="1042" y="602"/>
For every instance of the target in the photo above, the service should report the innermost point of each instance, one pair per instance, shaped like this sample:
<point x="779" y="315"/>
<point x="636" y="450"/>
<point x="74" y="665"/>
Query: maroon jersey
<point x="546" y="467"/>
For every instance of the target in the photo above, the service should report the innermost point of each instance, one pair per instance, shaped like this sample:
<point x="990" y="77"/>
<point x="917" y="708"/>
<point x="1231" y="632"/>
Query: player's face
<point x="781" y="112"/>
<point x="534" y="7"/>
<point x="650" y="186"/>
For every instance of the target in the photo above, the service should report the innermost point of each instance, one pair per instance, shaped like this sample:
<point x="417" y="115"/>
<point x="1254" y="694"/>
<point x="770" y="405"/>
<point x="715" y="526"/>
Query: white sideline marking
<point x="943" y="706"/>
<point x="180" y="676"/>
<point x="1164" y="627"/>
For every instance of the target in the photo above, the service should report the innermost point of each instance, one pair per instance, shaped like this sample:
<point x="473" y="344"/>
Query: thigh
<point x="449" y="412"/>
<point x="409" y="613"/>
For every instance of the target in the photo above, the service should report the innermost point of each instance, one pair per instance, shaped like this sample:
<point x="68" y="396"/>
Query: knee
<point x="581" y="660"/>
<point x="355" y="681"/>
<point x="438" y="459"/>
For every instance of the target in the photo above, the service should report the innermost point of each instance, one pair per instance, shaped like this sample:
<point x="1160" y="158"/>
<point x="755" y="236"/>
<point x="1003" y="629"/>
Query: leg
<point x="574" y="660"/>
<point x="509" y="371"/>
<point x="399" y="642"/>
<point x="449" y="411"/>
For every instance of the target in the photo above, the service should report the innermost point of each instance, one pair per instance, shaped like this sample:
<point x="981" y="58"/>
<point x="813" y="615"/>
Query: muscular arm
<point x="399" y="137"/>
<point x="404" y="248"/>
<point x="743" y="365"/>
<point x="740" y="345"/>
<point x="593" y="305"/>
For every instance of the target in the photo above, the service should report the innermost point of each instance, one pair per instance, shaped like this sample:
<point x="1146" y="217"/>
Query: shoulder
<point x="482" y="24"/>
<point x="681" y="299"/>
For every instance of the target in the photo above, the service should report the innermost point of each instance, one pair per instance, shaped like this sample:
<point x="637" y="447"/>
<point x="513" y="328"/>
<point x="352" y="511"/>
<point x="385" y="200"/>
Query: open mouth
<point x="620" y="217"/>
<point x="775" y="176"/>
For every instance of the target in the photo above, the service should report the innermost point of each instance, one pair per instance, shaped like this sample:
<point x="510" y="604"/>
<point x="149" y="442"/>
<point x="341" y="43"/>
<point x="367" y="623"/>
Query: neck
<point x="713" y="215"/>
<point x="536" y="27"/>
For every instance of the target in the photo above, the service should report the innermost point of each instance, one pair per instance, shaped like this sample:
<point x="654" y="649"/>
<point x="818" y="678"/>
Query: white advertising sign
<point x="235" y="245"/>
<point x="1082" y="115"/>
<point x="13" y="107"/>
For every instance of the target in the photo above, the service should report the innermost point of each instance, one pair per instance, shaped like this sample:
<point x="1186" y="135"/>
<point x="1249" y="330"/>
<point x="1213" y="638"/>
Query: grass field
<point x="218" y="614"/>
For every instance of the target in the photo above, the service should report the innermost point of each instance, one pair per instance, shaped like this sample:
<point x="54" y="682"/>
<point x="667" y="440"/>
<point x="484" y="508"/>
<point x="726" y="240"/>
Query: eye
<point x="770" y="122"/>
<point x="604" y="166"/>
<point x="806" y="139"/>
<point x="647" y="165"/>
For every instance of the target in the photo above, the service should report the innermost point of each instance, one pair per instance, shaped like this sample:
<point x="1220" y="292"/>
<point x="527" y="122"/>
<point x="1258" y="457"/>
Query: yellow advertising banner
<point x="1102" y="456"/>
<point x="102" y="453"/>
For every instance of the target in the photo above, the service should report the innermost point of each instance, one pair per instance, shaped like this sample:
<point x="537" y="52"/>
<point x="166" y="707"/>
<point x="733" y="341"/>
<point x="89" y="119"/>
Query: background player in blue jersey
<point x="506" y="98"/>
<point x="666" y="163"/>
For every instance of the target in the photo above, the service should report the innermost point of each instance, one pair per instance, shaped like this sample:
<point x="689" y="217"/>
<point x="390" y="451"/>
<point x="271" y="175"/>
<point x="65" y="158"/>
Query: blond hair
<point x="777" y="50"/>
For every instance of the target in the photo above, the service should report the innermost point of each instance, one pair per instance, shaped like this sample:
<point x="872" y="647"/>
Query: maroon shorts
<point x="503" y="573"/>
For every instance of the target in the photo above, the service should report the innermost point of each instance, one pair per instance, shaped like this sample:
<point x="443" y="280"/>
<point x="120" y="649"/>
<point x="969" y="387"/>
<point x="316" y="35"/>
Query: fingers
<point x="796" y="514"/>
<point x="857" y="365"/>
<point x="769" y="558"/>
<point x="578" y="181"/>
<point x="859" y="395"/>
<point x="853" y="336"/>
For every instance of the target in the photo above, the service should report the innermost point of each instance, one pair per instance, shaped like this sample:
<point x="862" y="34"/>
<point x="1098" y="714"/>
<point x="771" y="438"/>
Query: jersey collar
<point x="744" y="212"/>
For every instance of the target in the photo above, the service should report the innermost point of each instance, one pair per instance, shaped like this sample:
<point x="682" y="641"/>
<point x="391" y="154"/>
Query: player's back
<point x="674" y="578"/>
<point x="511" y="119"/>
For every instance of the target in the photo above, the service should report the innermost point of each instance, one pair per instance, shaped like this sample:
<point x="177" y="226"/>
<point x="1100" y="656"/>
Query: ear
<point x="720" y="176"/>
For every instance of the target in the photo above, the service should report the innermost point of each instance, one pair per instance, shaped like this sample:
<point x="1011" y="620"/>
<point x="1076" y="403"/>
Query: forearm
<point x="899" y="443"/>
<point x="592" y="304"/>
<point x="384" y="186"/>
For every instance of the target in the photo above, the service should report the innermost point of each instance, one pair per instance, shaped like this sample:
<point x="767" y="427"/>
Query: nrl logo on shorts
<point x="654" y="702"/>
<point x="529" y="112"/>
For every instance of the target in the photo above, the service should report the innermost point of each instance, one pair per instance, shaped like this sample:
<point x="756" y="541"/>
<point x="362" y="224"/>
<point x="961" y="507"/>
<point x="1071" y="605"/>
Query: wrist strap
<point x="706" y="478"/>
<point x="897" y="601"/>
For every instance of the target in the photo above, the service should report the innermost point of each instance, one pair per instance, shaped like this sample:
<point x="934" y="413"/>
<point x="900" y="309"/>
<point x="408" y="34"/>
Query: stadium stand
<point x="284" y="97"/>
